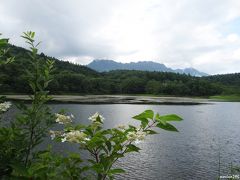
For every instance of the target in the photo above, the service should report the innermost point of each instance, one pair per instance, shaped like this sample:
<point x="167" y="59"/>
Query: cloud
<point x="198" y="33"/>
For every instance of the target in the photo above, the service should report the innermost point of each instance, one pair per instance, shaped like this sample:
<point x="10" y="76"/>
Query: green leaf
<point x="132" y="148"/>
<point x="169" y="117"/>
<point x="116" y="171"/>
<point x="98" y="168"/>
<point x="144" y="123"/>
<point x="79" y="127"/>
<point x="32" y="34"/>
<point x="91" y="161"/>
<point x="34" y="50"/>
<point x="118" y="155"/>
<point x="95" y="141"/>
<point x="132" y="128"/>
<point x="167" y="127"/>
<point x="148" y="114"/>
<point x="143" y="117"/>
<point x="109" y="145"/>
<point x="28" y="39"/>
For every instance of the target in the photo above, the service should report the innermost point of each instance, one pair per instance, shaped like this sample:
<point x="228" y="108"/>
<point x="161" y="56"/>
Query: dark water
<point x="193" y="153"/>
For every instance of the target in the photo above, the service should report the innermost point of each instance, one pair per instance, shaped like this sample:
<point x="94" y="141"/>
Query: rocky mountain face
<point x="109" y="65"/>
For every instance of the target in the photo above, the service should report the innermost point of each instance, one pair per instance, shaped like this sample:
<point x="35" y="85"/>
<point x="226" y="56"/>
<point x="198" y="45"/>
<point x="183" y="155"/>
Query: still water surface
<point x="193" y="153"/>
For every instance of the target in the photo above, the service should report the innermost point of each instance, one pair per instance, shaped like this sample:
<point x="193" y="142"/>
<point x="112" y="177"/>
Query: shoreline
<point x="117" y="99"/>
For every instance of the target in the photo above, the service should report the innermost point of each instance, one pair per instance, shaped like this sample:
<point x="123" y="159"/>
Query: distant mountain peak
<point x="104" y="65"/>
<point x="105" y="60"/>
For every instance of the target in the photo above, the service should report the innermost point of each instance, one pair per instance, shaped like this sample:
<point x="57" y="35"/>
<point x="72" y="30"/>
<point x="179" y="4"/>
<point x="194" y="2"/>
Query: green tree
<point x="133" y="85"/>
<point x="153" y="87"/>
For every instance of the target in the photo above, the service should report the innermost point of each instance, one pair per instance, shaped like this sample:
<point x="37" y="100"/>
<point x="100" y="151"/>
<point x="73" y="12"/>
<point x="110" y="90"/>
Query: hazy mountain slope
<point x="108" y="65"/>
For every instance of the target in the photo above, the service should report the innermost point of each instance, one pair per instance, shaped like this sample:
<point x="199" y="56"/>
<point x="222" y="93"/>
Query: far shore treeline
<point x="77" y="79"/>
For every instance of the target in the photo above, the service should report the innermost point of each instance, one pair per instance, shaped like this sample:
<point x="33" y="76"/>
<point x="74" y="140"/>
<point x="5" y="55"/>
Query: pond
<point x="208" y="133"/>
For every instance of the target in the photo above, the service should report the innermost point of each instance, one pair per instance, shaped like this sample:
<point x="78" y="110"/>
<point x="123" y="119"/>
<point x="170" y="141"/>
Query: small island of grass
<point x="232" y="98"/>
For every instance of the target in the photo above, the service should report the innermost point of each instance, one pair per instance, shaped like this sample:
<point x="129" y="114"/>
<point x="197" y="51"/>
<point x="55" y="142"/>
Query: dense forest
<point x="76" y="79"/>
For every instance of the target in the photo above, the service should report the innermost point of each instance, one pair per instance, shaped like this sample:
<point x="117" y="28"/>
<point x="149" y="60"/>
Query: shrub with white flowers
<point x="106" y="146"/>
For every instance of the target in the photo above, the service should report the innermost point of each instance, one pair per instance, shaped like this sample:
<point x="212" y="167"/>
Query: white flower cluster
<point x="75" y="136"/>
<point x="63" y="119"/>
<point x="94" y="118"/>
<point x="136" y="137"/>
<point x="122" y="127"/>
<point x="55" y="134"/>
<point x="5" y="106"/>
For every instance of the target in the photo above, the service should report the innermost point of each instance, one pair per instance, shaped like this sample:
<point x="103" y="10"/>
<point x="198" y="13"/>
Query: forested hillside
<point x="226" y="79"/>
<point x="76" y="79"/>
<point x="230" y="82"/>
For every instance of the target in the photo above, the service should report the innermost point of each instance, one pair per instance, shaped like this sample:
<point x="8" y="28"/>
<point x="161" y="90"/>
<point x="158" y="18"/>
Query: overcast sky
<point x="204" y="34"/>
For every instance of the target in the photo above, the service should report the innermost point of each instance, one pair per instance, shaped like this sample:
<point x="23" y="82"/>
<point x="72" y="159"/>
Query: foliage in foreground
<point x="19" y="138"/>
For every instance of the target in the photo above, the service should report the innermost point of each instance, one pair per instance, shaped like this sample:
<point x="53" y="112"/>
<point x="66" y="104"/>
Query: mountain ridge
<point x="105" y="65"/>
